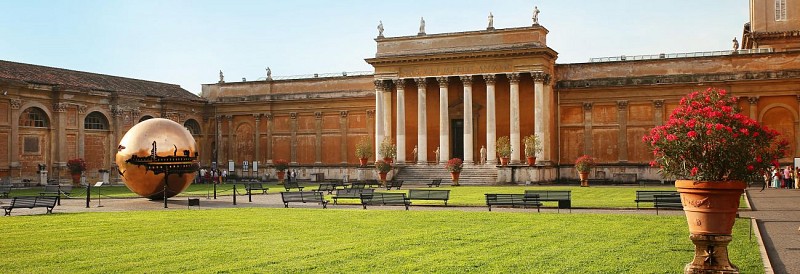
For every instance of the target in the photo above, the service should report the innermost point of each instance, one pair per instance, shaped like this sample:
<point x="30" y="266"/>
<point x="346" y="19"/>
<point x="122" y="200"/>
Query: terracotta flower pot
<point x="454" y="176"/>
<point x="362" y="161"/>
<point x="584" y="176"/>
<point x="531" y="161"/>
<point x="280" y="175"/>
<point x="503" y="161"/>
<point x="76" y="178"/>
<point x="710" y="207"/>
<point x="383" y="176"/>
<point x="388" y="160"/>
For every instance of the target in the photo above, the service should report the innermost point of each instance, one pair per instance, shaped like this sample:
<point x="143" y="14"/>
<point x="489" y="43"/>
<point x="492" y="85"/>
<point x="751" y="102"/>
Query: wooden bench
<point x="31" y="202"/>
<point x="304" y="197"/>
<point x="5" y="190"/>
<point x="512" y="200"/>
<point x="667" y="201"/>
<point x="289" y="185"/>
<point x="429" y="194"/>
<point x="384" y="198"/>
<point x="372" y="183"/>
<point x="254" y="187"/>
<point x="326" y="187"/>
<point x="435" y="182"/>
<point x="358" y="185"/>
<point x="563" y="197"/>
<point x="351" y="193"/>
<point x="648" y="196"/>
<point x="391" y="184"/>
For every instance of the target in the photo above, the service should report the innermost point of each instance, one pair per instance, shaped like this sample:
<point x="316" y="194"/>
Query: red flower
<point x="691" y="134"/>
<point x="694" y="171"/>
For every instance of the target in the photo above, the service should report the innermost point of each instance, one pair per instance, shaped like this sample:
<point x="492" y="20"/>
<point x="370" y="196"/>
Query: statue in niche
<point x="421" y="26"/>
<point x="414" y="153"/>
<point x="437" y="154"/>
<point x="535" y="15"/>
<point x="483" y="155"/>
<point x="491" y="22"/>
<point x="380" y="29"/>
<point x="269" y="74"/>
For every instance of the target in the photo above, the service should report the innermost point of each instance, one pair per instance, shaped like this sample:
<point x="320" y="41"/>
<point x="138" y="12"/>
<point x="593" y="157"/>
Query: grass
<point x="582" y="197"/>
<point x="262" y="240"/>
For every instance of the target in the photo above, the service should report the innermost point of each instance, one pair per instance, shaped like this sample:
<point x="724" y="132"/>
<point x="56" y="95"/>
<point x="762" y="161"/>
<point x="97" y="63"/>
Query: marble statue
<point x="735" y="44"/>
<point x="421" y="26"/>
<point x="483" y="155"/>
<point x="535" y="15"/>
<point x="437" y="154"/>
<point x="491" y="22"/>
<point x="221" y="77"/>
<point x="269" y="74"/>
<point x="414" y="153"/>
<point x="380" y="29"/>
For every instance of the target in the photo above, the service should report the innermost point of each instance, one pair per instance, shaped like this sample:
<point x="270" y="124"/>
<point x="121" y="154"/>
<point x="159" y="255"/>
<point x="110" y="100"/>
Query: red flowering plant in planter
<point x="712" y="150"/>
<point x="454" y="166"/>
<point x="76" y="166"/>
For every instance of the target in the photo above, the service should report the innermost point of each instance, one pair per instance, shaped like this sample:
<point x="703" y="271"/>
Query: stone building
<point x="456" y="92"/>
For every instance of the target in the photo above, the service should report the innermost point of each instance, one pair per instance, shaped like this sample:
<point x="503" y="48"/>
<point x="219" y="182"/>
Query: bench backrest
<point x="290" y="184"/>
<point x="649" y="195"/>
<point x="383" y="197"/>
<point x="51" y="188"/>
<point x="436" y="182"/>
<point x="549" y="194"/>
<point x="353" y="192"/>
<point x="65" y="189"/>
<point x="24" y="201"/>
<point x="429" y="194"/>
<point x="5" y="188"/>
<point x="395" y="183"/>
<point x="504" y="198"/>
<point x="46" y="201"/>
<point x="326" y="187"/>
<point x="358" y="185"/>
<point x="302" y="196"/>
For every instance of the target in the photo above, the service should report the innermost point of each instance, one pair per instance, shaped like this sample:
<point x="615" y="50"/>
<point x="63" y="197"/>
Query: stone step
<point x="470" y="174"/>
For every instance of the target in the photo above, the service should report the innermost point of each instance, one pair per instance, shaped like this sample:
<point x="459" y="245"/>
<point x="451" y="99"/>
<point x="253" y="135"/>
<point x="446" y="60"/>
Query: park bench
<point x="391" y="184"/>
<point x="292" y="184"/>
<point x="5" y="190"/>
<point x="429" y="194"/>
<point x="359" y="185"/>
<point x="372" y="183"/>
<point x="648" y="196"/>
<point x="326" y="187"/>
<point x="31" y="202"/>
<point x="667" y="201"/>
<point x="56" y="190"/>
<point x="512" y="200"/>
<point x="351" y="193"/>
<point x="435" y="182"/>
<point x="250" y="188"/>
<point x="304" y="197"/>
<point x="563" y="197"/>
<point x="384" y="198"/>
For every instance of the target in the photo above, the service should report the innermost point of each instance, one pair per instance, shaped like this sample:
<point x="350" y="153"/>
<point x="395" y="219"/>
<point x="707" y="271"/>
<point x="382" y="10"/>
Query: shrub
<point x="503" y="146"/>
<point x="76" y="165"/>
<point x="533" y="145"/>
<point x="364" y="148"/>
<point x="382" y="166"/>
<point x="584" y="163"/>
<point x="454" y="165"/>
<point x="387" y="148"/>
<point x="281" y="165"/>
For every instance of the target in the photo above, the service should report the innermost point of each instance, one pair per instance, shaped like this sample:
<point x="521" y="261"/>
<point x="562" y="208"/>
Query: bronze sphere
<point x="154" y="149"/>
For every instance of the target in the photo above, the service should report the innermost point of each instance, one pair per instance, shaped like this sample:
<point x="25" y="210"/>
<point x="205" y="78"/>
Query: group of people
<point x="785" y="178"/>
<point x="213" y="175"/>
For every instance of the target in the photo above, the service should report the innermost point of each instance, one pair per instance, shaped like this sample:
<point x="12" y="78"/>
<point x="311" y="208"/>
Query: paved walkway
<point x="777" y="212"/>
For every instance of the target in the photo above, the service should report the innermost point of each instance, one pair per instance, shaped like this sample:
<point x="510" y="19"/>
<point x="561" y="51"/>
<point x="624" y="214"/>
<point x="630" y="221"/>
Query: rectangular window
<point x="31" y="144"/>
<point x="780" y="10"/>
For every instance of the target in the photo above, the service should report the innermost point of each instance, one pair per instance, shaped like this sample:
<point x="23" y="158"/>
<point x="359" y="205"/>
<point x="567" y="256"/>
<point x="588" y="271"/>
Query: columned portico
<point x="444" y="121"/>
<point x="514" y="137"/>
<point x="379" y="122"/>
<point x="468" y="144"/>
<point x="422" y="122"/>
<point x="539" y="105"/>
<point x="491" y="123"/>
<point x="401" y="120"/>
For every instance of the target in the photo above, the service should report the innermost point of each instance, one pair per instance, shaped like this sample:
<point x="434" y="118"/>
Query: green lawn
<point x="582" y="197"/>
<point x="262" y="240"/>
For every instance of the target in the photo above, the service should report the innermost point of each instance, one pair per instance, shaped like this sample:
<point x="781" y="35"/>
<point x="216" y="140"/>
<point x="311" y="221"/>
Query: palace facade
<point x="447" y="94"/>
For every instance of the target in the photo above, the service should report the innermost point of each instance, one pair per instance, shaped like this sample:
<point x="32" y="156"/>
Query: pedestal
<point x="43" y="177"/>
<point x="710" y="255"/>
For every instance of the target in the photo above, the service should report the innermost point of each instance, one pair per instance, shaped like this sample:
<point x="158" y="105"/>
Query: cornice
<point x="677" y="79"/>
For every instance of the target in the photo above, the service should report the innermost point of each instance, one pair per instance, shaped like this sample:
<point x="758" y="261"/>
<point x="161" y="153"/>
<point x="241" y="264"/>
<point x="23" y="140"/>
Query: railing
<point x="319" y="75"/>
<point x="678" y="55"/>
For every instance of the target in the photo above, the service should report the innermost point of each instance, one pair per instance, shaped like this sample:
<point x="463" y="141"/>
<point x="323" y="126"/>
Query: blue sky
<point x="188" y="42"/>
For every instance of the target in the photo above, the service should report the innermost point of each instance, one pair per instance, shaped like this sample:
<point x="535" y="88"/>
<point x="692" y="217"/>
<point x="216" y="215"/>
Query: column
<point x="343" y="137"/>
<point x="796" y="129"/>
<point x="658" y="112"/>
<point x="257" y="136"/>
<point x="548" y="123"/>
<point x="293" y="139"/>
<point x="401" y="121"/>
<point x="514" y="137"/>
<point x="491" y="121"/>
<point x="61" y="133"/>
<point x="422" y="123"/>
<point x="622" y="140"/>
<point x="218" y="143"/>
<point x="387" y="109"/>
<point x="318" y="142"/>
<point x="539" y="109"/>
<point x="270" y="127"/>
<point x="587" y="128"/>
<point x="444" y="121"/>
<point x="754" y="107"/>
<point x="230" y="141"/>
<point x="14" y="142"/>
<point x="379" y="123"/>
<point x="469" y="157"/>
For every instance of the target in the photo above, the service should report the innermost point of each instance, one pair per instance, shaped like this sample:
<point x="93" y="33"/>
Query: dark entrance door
<point x="457" y="138"/>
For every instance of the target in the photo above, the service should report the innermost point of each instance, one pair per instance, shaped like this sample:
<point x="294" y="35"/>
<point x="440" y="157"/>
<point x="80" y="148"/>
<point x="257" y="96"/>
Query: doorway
<point x="457" y="138"/>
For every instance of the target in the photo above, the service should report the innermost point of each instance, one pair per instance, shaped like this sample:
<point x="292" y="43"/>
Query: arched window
<point x="33" y="117"/>
<point x="145" y="118"/>
<point x="192" y="126"/>
<point x="95" y="120"/>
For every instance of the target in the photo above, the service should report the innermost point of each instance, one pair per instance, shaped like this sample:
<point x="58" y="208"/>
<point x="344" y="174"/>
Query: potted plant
<point x="76" y="167"/>
<point x="454" y="166"/>
<point x="383" y="168"/>
<point x="364" y="150"/>
<point x="503" y="149"/>
<point x="388" y="150"/>
<point x="281" y="166"/>
<point x="712" y="150"/>
<point x="533" y="145"/>
<point x="584" y="164"/>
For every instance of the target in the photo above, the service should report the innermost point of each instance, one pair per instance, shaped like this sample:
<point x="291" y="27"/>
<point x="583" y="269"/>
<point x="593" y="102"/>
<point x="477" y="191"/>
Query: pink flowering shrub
<point x="584" y="163"/>
<point x="707" y="139"/>
<point x="454" y="165"/>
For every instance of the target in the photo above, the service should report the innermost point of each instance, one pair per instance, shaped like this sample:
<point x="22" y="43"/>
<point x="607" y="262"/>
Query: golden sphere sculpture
<point x="153" y="150"/>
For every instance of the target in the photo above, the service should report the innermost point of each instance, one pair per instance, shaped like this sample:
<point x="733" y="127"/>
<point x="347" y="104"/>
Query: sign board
<point x="213" y="165"/>
<point x="796" y="162"/>
<point x="245" y="166"/>
<point x="98" y="184"/>
<point x="255" y="166"/>
<point x="231" y="167"/>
